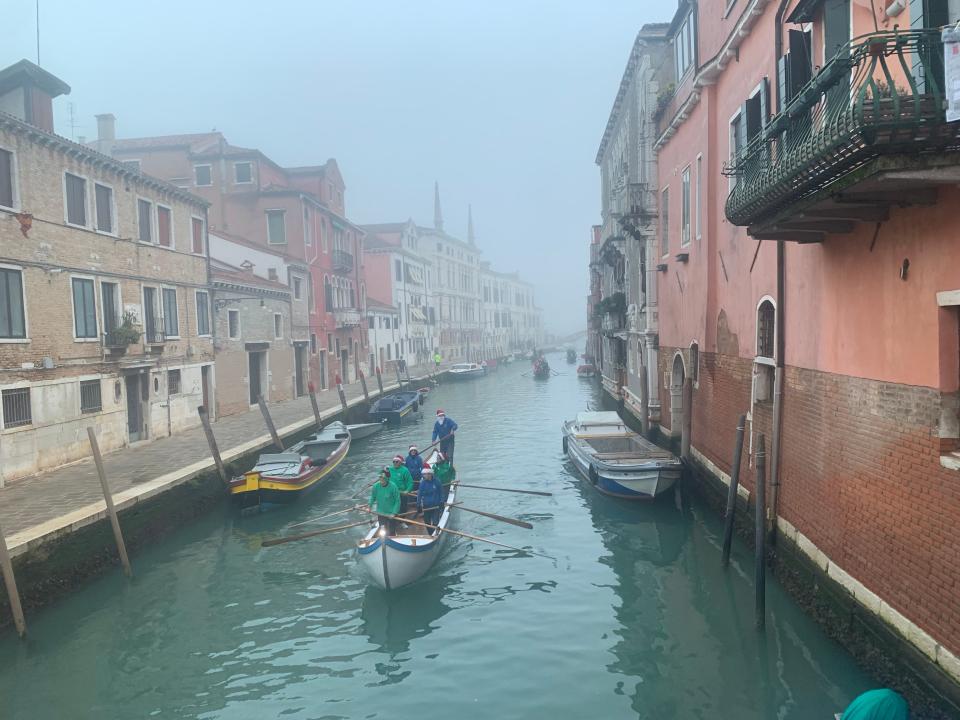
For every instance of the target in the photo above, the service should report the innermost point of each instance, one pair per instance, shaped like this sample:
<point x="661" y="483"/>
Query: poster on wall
<point x="951" y="67"/>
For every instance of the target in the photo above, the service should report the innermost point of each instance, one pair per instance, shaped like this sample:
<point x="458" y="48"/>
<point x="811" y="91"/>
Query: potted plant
<point x="126" y="333"/>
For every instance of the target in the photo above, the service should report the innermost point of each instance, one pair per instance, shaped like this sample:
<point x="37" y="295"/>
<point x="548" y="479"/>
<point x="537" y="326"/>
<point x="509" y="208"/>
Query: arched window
<point x="766" y="329"/>
<point x="327" y="294"/>
<point x="695" y="361"/>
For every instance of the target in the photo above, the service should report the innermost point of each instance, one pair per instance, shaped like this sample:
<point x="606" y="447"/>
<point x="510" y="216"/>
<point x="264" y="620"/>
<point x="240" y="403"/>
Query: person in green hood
<point x="401" y="477"/>
<point x="445" y="474"/>
<point x="385" y="501"/>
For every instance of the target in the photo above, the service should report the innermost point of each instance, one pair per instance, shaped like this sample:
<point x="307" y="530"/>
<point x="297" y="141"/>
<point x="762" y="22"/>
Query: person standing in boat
<point x="443" y="430"/>
<point x="400" y="476"/>
<point x="414" y="464"/>
<point x="385" y="501"/>
<point x="430" y="498"/>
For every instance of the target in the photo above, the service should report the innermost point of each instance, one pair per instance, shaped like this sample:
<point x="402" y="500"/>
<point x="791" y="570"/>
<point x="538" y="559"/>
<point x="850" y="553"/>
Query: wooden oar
<point x="523" y="492"/>
<point x="324" y="517"/>
<point x="314" y="533"/>
<point x="501" y="518"/>
<point x="475" y="537"/>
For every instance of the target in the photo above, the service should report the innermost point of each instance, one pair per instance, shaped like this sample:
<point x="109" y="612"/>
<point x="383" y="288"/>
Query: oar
<point x="314" y="533"/>
<point x="324" y="517"/>
<point x="475" y="537"/>
<point x="522" y="492"/>
<point x="501" y="518"/>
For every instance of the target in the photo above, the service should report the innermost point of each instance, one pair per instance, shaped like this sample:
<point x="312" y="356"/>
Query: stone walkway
<point x="35" y="509"/>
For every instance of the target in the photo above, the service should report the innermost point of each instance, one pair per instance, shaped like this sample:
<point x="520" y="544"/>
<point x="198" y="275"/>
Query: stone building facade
<point x="105" y="304"/>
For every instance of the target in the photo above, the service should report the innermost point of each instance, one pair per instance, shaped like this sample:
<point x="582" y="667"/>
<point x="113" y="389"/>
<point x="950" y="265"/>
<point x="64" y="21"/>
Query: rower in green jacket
<point x="401" y="477"/>
<point x="445" y="474"/>
<point x="385" y="501"/>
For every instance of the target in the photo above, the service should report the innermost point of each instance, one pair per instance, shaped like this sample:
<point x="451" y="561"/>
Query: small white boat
<point x="401" y="559"/>
<point x="462" y="371"/>
<point x="616" y="460"/>
<point x="365" y="430"/>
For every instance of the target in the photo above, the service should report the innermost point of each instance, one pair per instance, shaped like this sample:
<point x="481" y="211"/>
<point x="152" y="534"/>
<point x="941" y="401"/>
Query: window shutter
<point x="800" y="68"/>
<point x="163" y="226"/>
<point x="6" y="178"/>
<point x="783" y="82"/>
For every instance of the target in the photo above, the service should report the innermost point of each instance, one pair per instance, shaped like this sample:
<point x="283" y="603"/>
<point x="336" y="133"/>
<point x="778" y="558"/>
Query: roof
<point x="195" y="142"/>
<point x="387" y="227"/>
<point x="26" y="72"/>
<point x="34" y="133"/>
<point x="374" y="304"/>
<point x="262" y="247"/>
<point x="225" y="273"/>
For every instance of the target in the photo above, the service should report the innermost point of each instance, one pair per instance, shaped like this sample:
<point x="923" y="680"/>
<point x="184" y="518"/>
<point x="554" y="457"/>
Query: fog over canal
<point x="634" y="619"/>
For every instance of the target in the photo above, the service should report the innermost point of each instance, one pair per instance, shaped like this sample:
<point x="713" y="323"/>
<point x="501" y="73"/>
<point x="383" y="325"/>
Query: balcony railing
<point x="882" y="94"/>
<point x="342" y="261"/>
<point x="632" y="201"/>
<point x="346" y="317"/>
<point x="154" y="337"/>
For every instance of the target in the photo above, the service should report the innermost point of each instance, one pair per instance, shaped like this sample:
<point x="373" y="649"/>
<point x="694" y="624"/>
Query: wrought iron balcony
<point x="632" y="201"/>
<point x="868" y="131"/>
<point x="342" y="261"/>
<point x="347" y="317"/>
<point x="154" y="337"/>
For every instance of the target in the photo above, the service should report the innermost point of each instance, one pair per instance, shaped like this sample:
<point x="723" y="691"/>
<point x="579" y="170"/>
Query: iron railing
<point x="342" y="261"/>
<point x="881" y="94"/>
<point x="154" y="337"/>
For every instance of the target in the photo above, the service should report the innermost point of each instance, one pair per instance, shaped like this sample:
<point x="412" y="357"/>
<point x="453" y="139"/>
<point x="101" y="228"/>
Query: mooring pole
<point x="685" y="429"/>
<point x="6" y="566"/>
<point x="379" y="381"/>
<point x="396" y="367"/>
<point x="212" y="442"/>
<point x="311" y="388"/>
<point x="760" y="534"/>
<point x="644" y="402"/>
<point x="269" y="421"/>
<point x="363" y="384"/>
<point x="732" y="491"/>
<point x="343" y="397"/>
<point x="111" y="510"/>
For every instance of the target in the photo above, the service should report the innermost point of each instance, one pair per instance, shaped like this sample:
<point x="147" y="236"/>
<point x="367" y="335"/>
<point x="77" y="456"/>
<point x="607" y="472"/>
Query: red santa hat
<point x="440" y="412"/>
<point x="398" y="458"/>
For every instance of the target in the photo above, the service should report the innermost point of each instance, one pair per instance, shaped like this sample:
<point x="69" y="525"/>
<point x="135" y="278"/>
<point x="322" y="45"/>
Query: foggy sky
<point x="503" y="102"/>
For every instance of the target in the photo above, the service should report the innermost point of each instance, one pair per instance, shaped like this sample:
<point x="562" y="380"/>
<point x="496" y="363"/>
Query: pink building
<point x="809" y="279"/>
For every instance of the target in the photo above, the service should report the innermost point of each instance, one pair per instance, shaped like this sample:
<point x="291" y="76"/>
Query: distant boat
<point x="365" y="430"/>
<point x="396" y="408"/>
<point x="571" y="356"/>
<point x="401" y="559"/>
<point x="464" y="371"/>
<point x="280" y="478"/>
<point x="541" y="368"/>
<point x="616" y="460"/>
<point x="586" y="371"/>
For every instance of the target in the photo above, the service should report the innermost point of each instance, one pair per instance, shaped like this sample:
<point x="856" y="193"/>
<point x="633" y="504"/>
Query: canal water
<point x="634" y="619"/>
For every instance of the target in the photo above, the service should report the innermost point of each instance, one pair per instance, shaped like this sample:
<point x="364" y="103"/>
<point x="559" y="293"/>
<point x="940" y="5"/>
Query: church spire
<point x="437" y="214"/>
<point x="470" y="237"/>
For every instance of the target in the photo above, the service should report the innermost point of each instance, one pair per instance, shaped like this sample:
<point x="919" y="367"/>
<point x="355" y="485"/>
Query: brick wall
<point x="860" y="477"/>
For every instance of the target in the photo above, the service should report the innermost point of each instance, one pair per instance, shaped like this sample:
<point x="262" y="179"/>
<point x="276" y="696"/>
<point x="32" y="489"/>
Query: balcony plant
<point x="126" y="333"/>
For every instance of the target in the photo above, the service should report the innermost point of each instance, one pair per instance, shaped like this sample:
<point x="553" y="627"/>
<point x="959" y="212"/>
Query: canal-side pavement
<point x="40" y="508"/>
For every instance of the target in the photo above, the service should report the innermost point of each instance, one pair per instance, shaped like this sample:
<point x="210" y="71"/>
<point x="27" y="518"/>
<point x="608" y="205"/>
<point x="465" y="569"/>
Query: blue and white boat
<point x="617" y="461"/>
<point x="402" y="559"/>
<point x="463" y="371"/>
<point x="396" y="408"/>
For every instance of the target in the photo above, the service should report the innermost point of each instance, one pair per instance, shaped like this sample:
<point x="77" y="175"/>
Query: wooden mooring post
<point x="363" y="384"/>
<point x="269" y="421"/>
<point x="379" y="381"/>
<point x="108" y="498"/>
<point x="343" y="397"/>
<point x="760" y="535"/>
<point x="732" y="491"/>
<point x="644" y="403"/>
<point x="686" y="397"/>
<point x="312" y="389"/>
<point x="6" y="567"/>
<point x="212" y="442"/>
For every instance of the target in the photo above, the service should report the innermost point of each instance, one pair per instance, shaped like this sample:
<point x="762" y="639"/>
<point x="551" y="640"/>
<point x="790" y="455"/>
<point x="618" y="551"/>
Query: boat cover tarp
<point x="880" y="704"/>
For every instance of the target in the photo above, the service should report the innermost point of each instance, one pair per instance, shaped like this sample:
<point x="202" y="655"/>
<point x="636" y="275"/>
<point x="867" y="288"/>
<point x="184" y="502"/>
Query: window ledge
<point x="760" y="360"/>
<point x="951" y="461"/>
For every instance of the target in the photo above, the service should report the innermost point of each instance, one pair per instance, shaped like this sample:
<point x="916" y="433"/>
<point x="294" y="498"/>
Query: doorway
<point x="344" y="366"/>
<point x="323" y="369"/>
<point x="299" y="362"/>
<point x="136" y="388"/>
<point x="257" y="360"/>
<point x="677" y="376"/>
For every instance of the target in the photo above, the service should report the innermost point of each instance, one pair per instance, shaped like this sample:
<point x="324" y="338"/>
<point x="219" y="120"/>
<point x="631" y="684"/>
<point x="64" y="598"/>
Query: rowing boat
<point x="398" y="560"/>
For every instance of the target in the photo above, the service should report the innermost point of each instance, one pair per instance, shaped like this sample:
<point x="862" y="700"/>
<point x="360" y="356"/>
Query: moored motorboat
<point x="616" y="460"/>
<point x="396" y="408"/>
<point x="284" y="477"/>
<point x="365" y="430"/>
<point x="571" y="356"/>
<point x="465" y="371"/>
<point x="586" y="371"/>
<point x="398" y="560"/>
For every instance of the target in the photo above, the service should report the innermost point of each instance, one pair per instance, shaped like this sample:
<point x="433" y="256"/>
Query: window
<point x="277" y="325"/>
<point x="276" y="227"/>
<point x="398" y="269"/>
<point x="171" y="325"/>
<point x="695" y="361"/>
<point x="7" y="198"/>
<point x="76" y="191"/>
<point x="766" y="330"/>
<point x="699" y="209"/>
<point x="110" y="306"/>
<point x="665" y="222"/>
<point x="297" y="289"/>
<point x="307" y="227"/>
<point x="196" y="228"/>
<point x="13" y="324"/>
<point x="329" y="342"/>
<point x="164" y="226"/>
<point x="327" y="294"/>
<point x="90" y="396"/>
<point x="103" y="199"/>
<point x="396" y="323"/>
<point x="203" y="312"/>
<point x="16" y="407"/>
<point x="685" y="207"/>
<point x="243" y="172"/>
<point x="738" y="139"/>
<point x="144" y="218"/>
<point x="233" y="324"/>
<point x="150" y="315"/>
<point x="313" y="343"/>
<point x="203" y="175"/>
<point x="173" y="382"/>
<point x="684" y="43"/>
<point x="84" y="309"/>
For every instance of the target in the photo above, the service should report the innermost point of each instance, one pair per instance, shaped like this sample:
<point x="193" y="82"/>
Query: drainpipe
<point x="781" y="277"/>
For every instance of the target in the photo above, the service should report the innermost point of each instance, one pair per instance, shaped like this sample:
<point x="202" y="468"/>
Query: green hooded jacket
<point x="385" y="499"/>
<point x="402" y="478"/>
<point x="445" y="473"/>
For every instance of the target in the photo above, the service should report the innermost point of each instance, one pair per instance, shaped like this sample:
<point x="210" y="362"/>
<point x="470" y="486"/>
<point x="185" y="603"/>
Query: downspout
<point x="781" y="276"/>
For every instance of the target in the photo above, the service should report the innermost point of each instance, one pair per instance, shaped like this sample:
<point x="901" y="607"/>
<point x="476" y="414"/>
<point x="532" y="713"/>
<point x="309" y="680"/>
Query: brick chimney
<point x="27" y="92"/>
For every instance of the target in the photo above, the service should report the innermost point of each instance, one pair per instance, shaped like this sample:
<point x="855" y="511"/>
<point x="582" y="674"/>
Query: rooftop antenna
<point x="73" y="124"/>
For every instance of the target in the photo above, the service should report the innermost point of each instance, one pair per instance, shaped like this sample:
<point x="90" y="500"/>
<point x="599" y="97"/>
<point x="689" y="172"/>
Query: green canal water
<point x="634" y="619"/>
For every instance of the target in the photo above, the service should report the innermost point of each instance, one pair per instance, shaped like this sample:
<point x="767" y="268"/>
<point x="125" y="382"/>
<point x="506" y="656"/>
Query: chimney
<point x="27" y="92"/>
<point x="106" y="127"/>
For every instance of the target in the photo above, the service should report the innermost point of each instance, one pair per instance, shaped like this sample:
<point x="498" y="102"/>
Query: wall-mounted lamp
<point x="895" y="8"/>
